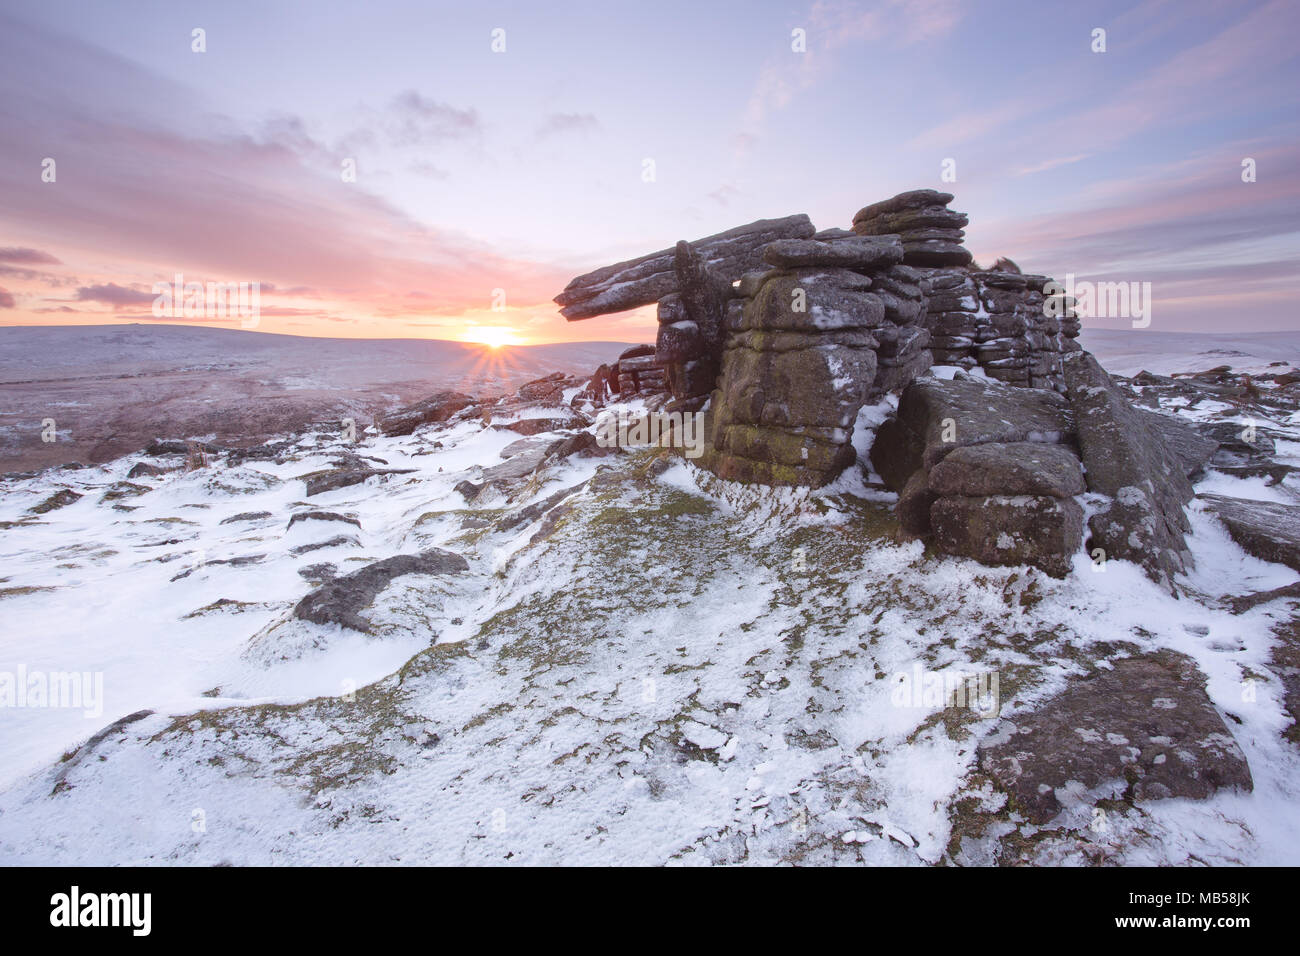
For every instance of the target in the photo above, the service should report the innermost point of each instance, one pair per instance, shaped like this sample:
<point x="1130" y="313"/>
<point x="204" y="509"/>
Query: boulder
<point x="1010" y="529"/>
<point x="321" y="516"/>
<point x="937" y="416"/>
<point x="548" y="390"/>
<point x="536" y="426"/>
<point x="319" y="482"/>
<point x="1009" y="468"/>
<point x="1192" y="447"/>
<point x="60" y="499"/>
<point x="1268" y="530"/>
<point x="1143" y="729"/>
<point x="341" y="600"/>
<point x="435" y="408"/>
<point x="1127" y="459"/>
<point x="915" y="199"/>
<point x="160" y="447"/>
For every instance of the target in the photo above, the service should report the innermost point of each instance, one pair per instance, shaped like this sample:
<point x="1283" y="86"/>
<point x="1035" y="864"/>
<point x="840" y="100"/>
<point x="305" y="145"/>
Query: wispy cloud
<point x="831" y="26"/>
<point x="110" y="293"/>
<point x="28" y="256"/>
<point x="557" y="124"/>
<point x="1051" y="164"/>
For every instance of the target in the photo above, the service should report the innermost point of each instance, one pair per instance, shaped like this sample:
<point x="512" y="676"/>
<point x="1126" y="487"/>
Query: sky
<point x="500" y="149"/>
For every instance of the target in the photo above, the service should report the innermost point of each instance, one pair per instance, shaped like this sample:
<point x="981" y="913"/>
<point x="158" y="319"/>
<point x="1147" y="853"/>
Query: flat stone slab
<point x="858" y="252"/>
<point x="331" y="479"/>
<point x="520" y="465"/>
<point x="1266" y="529"/>
<point x="341" y="600"/>
<point x="1145" y="728"/>
<point x="435" y="408"/>
<point x="641" y="281"/>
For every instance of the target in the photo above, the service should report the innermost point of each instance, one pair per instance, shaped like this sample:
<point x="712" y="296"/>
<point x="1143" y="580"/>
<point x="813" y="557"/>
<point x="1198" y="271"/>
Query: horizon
<point x="485" y="179"/>
<point x="210" y="327"/>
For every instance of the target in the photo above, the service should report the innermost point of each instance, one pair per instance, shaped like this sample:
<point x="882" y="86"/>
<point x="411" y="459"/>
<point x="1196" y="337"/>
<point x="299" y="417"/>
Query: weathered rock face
<point x="1145" y="728"/>
<point x="692" y="326"/>
<point x="1268" y="530"/>
<point x="341" y="600"/>
<point x="1010" y="529"/>
<point x="1193" y="448"/>
<point x="1128" y="460"/>
<point x="331" y="479"/>
<point x="637" y="282"/>
<point x="1009" y="468"/>
<point x="435" y="408"/>
<point x="997" y="321"/>
<point x="935" y="417"/>
<point x="797" y="367"/>
<point x="983" y="469"/>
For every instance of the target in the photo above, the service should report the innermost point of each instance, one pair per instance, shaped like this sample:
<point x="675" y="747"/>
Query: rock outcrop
<point x="1145" y="729"/>
<point x="1268" y="530"/>
<point x="931" y="233"/>
<point x="435" y="408"/>
<point x="639" y="371"/>
<point x="341" y="600"/>
<point x="986" y="471"/>
<point x="798" y="365"/>
<point x="692" y="327"/>
<point x="791" y="347"/>
<point x="1127" y="460"/>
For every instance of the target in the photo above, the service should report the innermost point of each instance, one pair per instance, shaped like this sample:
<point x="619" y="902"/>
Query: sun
<point x="493" y="336"/>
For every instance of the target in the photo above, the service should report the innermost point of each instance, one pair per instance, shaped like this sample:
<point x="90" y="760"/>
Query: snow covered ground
<point x="665" y="668"/>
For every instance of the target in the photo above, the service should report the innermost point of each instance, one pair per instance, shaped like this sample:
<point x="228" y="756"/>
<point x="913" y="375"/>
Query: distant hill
<point x="1129" y="351"/>
<point x="111" y="389"/>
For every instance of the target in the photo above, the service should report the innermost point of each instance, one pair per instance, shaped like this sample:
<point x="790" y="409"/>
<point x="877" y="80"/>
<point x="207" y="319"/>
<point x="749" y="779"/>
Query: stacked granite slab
<point x="953" y="316"/>
<point x="904" y="351"/>
<point x="639" y="372"/>
<point x="997" y="321"/>
<point x="931" y="233"/>
<point x="800" y="361"/>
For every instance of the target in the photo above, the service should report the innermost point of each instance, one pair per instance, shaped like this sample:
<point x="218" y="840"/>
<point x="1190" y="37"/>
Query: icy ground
<point x="665" y="668"/>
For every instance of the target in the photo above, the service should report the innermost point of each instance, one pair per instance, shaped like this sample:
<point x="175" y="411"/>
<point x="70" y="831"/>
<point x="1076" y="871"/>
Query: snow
<point x="686" y="671"/>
